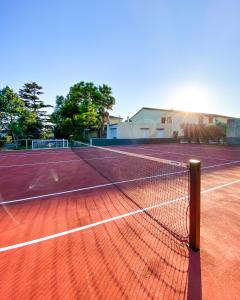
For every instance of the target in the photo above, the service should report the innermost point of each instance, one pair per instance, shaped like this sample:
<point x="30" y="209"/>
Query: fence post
<point x="195" y="191"/>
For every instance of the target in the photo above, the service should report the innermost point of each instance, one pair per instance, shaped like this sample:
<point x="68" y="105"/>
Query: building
<point x="110" y="121"/>
<point x="233" y="132"/>
<point x="113" y="120"/>
<point x="160" y="123"/>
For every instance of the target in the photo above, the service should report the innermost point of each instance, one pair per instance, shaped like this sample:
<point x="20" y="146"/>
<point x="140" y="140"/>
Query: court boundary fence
<point x="124" y="142"/>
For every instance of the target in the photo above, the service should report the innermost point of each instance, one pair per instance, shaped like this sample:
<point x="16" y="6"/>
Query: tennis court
<point x="88" y="223"/>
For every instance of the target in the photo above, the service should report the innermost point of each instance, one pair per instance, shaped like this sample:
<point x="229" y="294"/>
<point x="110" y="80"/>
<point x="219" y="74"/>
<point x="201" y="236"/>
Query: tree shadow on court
<point x="141" y="259"/>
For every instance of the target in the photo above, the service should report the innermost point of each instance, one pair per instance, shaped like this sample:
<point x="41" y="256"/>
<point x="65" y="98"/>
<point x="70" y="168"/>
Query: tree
<point x="217" y="132"/>
<point x="30" y="95"/>
<point x="11" y="108"/>
<point x="203" y="133"/>
<point x="84" y="109"/>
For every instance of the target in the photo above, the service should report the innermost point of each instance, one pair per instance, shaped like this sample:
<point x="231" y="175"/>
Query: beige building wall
<point x="141" y="130"/>
<point x="173" y="120"/>
<point x="154" y="123"/>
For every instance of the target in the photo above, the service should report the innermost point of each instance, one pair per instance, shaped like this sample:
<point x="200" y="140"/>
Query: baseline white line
<point x="42" y="163"/>
<point x="32" y="154"/>
<point x="77" y="229"/>
<point x="90" y="187"/>
<point x="60" y="161"/>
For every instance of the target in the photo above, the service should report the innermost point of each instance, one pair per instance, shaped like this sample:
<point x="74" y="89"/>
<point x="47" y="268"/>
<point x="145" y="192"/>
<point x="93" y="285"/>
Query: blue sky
<point x="164" y="54"/>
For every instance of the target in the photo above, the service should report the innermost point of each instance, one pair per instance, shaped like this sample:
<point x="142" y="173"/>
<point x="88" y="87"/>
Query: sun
<point x="191" y="97"/>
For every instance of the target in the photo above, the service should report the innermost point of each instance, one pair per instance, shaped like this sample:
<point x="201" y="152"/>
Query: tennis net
<point x="49" y="144"/>
<point x="157" y="187"/>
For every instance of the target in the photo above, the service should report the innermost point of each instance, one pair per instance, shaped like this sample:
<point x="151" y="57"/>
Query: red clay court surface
<point x="70" y="244"/>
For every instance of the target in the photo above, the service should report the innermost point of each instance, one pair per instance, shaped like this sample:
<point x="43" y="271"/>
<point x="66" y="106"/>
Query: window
<point x="210" y="120"/>
<point x="163" y="120"/>
<point x="169" y="120"/>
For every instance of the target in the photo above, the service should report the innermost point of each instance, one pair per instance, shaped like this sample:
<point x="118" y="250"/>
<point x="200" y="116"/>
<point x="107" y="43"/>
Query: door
<point x="113" y="133"/>
<point x="160" y="133"/>
<point x="145" y="133"/>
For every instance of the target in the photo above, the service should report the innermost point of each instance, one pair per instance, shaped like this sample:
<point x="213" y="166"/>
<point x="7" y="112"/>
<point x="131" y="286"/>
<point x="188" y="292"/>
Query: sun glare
<point x="191" y="97"/>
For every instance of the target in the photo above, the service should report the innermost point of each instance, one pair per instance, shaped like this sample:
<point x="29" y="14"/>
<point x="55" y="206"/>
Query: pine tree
<point x="30" y="95"/>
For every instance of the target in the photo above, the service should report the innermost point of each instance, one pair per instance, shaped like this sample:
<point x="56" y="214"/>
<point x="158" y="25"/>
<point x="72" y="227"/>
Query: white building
<point x="233" y="132"/>
<point x="160" y="123"/>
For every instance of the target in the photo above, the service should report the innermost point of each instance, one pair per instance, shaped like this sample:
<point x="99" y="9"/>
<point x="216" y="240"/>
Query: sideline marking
<point x="90" y="187"/>
<point x="186" y="154"/>
<point x="223" y="164"/>
<point x="56" y="235"/>
<point x="220" y="186"/>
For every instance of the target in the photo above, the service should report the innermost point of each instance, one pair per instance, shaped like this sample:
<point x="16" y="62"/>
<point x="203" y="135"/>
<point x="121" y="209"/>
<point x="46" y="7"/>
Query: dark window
<point x="163" y="120"/>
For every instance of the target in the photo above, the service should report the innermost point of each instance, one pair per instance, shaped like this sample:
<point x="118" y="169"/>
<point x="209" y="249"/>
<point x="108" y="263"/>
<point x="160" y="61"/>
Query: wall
<point x="233" y="128"/>
<point x="148" y="124"/>
<point x="115" y="142"/>
<point x="153" y="119"/>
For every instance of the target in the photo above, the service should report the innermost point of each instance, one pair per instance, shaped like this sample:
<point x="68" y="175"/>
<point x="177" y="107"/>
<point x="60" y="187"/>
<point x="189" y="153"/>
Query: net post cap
<point x="194" y="161"/>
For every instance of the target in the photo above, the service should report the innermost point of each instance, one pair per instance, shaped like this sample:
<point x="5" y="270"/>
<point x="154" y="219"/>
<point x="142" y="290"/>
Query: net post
<point x="195" y="190"/>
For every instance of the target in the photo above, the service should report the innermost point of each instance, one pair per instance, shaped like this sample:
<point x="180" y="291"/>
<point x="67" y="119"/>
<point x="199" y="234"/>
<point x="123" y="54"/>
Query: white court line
<point x="91" y="187"/>
<point x="142" y="156"/>
<point x="220" y="186"/>
<point x="56" y="235"/>
<point x="81" y="228"/>
<point x="184" y="154"/>
<point x="108" y="184"/>
<point x="60" y="161"/>
<point x="42" y="163"/>
<point x="223" y="164"/>
<point x="32" y="154"/>
<point x="214" y="147"/>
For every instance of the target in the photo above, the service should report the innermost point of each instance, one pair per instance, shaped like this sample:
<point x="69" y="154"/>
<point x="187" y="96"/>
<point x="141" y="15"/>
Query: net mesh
<point x="158" y="188"/>
<point x="49" y="144"/>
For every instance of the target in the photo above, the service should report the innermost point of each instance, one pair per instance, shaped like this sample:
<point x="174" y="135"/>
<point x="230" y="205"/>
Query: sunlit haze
<point x="162" y="54"/>
<point x="191" y="96"/>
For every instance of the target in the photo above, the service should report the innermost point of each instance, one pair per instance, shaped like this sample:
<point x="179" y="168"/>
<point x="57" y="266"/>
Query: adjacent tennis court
<point x="92" y="223"/>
